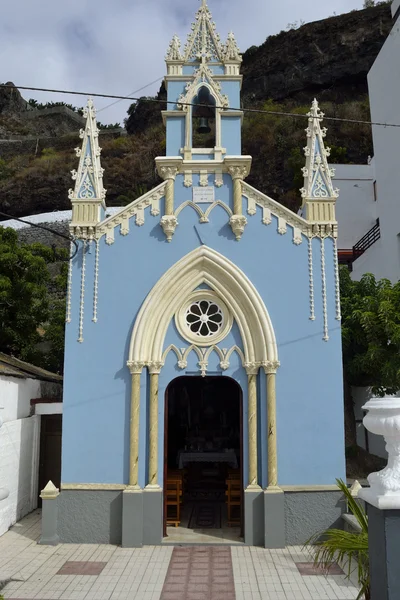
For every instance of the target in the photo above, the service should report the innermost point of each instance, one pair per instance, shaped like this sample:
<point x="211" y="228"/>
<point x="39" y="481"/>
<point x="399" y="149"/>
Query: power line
<point x="66" y="237"/>
<point x="131" y="94"/>
<point x="248" y="110"/>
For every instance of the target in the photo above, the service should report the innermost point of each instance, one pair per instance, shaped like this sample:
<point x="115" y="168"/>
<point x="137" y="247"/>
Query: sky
<point x="118" y="46"/>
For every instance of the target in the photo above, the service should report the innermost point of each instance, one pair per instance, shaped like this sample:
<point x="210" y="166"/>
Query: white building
<point x="368" y="209"/>
<point x="27" y="453"/>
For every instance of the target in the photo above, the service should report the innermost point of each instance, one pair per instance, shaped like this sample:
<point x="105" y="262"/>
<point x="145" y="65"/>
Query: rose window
<point x="204" y="318"/>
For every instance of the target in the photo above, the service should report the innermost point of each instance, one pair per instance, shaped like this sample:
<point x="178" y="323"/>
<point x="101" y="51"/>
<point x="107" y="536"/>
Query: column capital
<point x="271" y="366"/>
<point x="252" y="368"/>
<point x="135" y="366"/>
<point x="155" y="367"/>
<point x="238" y="166"/>
<point x="168" y="166"/>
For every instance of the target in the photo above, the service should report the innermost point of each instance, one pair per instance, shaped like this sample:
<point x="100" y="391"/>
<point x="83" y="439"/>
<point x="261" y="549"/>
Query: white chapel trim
<point x="204" y="265"/>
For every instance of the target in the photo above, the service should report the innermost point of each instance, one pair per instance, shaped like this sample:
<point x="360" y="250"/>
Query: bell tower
<point x="203" y="119"/>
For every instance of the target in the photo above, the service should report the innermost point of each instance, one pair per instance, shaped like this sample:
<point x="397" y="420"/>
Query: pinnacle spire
<point x="89" y="176"/>
<point x="317" y="173"/>
<point x="203" y="43"/>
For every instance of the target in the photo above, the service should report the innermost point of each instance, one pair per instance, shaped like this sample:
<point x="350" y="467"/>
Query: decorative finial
<point x="89" y="176"/>
<point x="203" y="42"/>
<point x="174" y="49"/>
<point x="232" y="51"/>
<point x="317" y="173"/>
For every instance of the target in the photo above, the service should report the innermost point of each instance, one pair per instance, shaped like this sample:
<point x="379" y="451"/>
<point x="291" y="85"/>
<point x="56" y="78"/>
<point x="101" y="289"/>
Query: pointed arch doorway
<point x="203" y="450"/>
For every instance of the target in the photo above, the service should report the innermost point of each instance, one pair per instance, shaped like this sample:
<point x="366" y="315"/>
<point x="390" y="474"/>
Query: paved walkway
<point x="101" y="572"/>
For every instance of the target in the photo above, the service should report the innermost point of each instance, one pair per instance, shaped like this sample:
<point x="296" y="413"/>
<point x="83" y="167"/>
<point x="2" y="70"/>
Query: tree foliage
<point x="31" y="318"/>
<point x="371" y="332"/>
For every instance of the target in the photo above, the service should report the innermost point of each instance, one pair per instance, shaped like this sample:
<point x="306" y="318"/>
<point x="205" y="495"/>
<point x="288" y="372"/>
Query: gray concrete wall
<point x="308" y="513"/>
<point x="356" y="206"/>
<point x="384" y="553"/>
<point x="90" y="516"/>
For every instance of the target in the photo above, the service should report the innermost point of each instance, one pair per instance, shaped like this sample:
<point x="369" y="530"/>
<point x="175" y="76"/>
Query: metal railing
<point x="367" y="240"/>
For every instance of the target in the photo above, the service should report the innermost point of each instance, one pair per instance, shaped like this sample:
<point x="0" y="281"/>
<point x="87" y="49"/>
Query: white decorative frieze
<point x="311" y="279"/>
<point x="96" y="281"/>
<point x="188" y="179"/>
<point x="69" y="286"/>
<point x="82" y="295"/>
<point x="324" y="297"/>
<point x="281" y="226"/>
<point x="272" y="207"/>
<point x="150" y="200"/>
<point x="203" y="356"/>
<point x="201" y="76"/>
<point x="204" y="215"/>
<point x="219" y="182"/>
<point x="337" y="280"/>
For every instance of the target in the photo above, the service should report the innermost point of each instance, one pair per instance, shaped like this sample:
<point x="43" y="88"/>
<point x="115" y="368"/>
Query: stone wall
<point x="30" y="235"/>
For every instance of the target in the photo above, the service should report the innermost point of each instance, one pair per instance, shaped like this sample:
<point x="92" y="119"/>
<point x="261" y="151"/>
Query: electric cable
<point x="66" y="237"/>
<point x="175" y="103"/>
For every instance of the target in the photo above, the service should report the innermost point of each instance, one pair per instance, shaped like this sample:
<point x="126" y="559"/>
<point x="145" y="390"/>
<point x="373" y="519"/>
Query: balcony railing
<point x="367" y="240"/>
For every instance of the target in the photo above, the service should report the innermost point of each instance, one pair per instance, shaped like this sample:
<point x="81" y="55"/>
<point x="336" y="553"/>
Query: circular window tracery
<point x="203" y="318"/>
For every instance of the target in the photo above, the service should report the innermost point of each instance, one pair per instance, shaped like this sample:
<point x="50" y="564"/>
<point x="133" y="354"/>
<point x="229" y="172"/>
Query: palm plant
<point x="346" y="547"/>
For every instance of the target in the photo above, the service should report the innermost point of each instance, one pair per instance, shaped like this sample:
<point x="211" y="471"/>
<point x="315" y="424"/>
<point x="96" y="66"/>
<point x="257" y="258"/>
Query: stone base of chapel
<point x="133" y="518"/>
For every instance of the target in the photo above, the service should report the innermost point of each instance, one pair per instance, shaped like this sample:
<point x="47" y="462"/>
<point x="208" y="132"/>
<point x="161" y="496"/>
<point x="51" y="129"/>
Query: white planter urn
<point x="383" y="418"/>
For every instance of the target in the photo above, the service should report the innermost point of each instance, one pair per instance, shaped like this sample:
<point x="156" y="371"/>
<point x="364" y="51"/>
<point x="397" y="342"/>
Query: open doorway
<point x="203" y="496"/>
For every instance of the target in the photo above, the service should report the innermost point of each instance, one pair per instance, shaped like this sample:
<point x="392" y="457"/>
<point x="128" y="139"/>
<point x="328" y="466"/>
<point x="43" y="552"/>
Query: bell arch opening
<point x="203" y="119"/>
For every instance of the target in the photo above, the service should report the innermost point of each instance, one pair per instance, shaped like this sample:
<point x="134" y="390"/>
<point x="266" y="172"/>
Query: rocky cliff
<point x="329" y="59"/>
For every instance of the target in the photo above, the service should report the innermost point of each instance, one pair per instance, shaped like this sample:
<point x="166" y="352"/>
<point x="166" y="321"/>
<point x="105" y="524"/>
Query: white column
<point x="136" y="370"/>
<point x="154" y="370"/>
<point x="252" y="371"/>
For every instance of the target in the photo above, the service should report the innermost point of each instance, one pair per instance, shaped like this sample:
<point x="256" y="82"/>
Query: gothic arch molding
<point x="203" y="265"/>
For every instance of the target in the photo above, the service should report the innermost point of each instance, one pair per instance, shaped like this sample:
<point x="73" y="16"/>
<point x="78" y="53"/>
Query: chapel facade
<point x="203" y="341"/>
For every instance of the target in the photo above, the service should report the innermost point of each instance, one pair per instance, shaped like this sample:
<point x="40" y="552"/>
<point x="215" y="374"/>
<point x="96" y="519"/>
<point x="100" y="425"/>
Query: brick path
<point x="102" y="572"/>
<point x="200" y="573"/>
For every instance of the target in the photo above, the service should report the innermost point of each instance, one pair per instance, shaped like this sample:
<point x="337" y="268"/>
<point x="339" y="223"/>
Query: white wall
<point x="355" y="207"/>
<point x="395" y="6"/>
<point x="383" y="258"/>
<point x="16" y="395"/>
<point x="19" y="450"/>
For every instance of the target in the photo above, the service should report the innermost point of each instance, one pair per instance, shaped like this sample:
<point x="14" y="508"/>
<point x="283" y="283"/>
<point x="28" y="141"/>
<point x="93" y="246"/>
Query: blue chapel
<point x="203" y="366"/>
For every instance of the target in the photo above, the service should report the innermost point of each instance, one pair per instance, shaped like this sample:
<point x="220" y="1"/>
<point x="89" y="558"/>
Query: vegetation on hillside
<point x="276" y="143"/>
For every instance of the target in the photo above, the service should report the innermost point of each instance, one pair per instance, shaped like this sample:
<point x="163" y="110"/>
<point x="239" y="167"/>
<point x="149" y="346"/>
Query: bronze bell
<point x="204" y="126"/>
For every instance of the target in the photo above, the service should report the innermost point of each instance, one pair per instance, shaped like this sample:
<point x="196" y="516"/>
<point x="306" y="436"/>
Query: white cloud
<point x="118" y="46"/>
